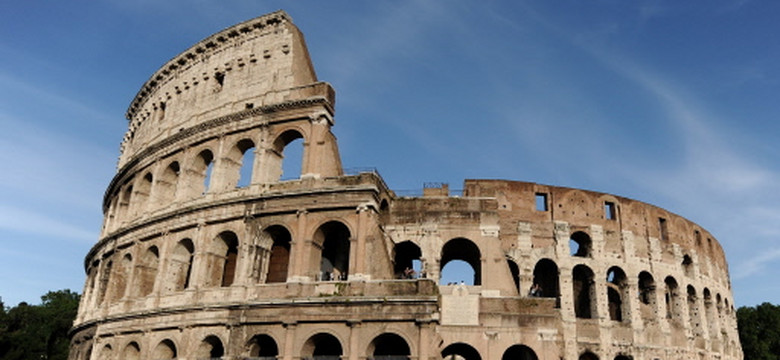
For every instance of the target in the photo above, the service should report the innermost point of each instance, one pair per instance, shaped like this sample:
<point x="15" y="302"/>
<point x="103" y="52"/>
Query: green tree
<point x="38" y="331"/>
<point x="759" y="331"/>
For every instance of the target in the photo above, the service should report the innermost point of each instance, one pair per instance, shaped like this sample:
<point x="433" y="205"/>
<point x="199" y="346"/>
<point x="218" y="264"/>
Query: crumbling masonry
<point x="206" y="253"/>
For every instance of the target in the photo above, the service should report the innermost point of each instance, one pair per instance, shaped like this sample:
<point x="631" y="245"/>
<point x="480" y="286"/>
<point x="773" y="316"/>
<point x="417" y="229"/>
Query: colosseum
<point x="208" y="252"/>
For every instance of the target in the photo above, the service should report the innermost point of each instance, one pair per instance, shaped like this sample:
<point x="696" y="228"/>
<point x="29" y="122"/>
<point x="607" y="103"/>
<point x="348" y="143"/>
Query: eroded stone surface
<point x="196" y="260"/>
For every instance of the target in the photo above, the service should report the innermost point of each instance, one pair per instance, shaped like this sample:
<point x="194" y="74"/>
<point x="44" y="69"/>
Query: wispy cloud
<point x="28" y="222"/>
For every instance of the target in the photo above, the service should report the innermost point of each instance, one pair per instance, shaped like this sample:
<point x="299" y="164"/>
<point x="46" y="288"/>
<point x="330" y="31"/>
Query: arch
<point x="687" y="265"/>
<point x="106" y="352"/>
<point x="519" y="352"/>
<point x="104" y="277"/>
<point x="694" y="311"/>
<point x="334" y="238"/>
<point x="464" y="250"/>
<point x="647" y="296"/>
<point x="460" y="351"/>
<point x="710" y="311"/>
<point x="546" y="276"/>
<point x="588" y="356"/>
<point x="146" y="271"/>
<point x="279" y="257"/>
<point x="120" y="276"/>
<point x="167" y="183"/>
<point x="407" y="257"/>
<point x="672" y="299"/>
<point x="180" y="266"/>
<point x="142" y="190"/>
<point x="617" y="291"/>
<point x="584" y="292"/>
<point x="211" y="347"/>
<point x="322" y="346"/>
<point x="623" y="357"/>
<point x="580" y="244"/>
<point x="515" y="271"/>
<point x="132" y="351"/>
<point x="124" y="202"/>
<point x="222" y="259"/>
<point x="388" y="346"/>
<point x="166" y="349"/>
<point x="282" y="148"/>
<point x="244" y="153"/>
<point x="262" y="347"/>
<point x="202" y="167"/>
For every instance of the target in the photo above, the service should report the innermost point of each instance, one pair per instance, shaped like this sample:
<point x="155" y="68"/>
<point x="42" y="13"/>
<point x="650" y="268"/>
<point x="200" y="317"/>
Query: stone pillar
<point x="298" y="250"/>
<point x="354" y="339"/>
<point x="289" y="341"/>
<point x="357" y="257"/>
<point x="424" y="341"/>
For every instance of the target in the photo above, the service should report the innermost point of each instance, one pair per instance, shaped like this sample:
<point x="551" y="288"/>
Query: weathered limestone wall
<point x="209" y="251"/>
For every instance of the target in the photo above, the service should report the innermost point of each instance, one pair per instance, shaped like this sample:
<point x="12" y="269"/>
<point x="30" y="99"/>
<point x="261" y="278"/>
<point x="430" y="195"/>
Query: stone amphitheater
<point x="207" y="252"/>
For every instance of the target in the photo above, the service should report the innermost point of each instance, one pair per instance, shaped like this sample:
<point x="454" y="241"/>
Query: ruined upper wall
<point x="257" y="63"/>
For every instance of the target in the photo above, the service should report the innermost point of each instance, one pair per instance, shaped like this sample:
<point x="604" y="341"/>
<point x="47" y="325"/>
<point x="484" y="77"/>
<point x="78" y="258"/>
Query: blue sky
<point x="672" y="103"/>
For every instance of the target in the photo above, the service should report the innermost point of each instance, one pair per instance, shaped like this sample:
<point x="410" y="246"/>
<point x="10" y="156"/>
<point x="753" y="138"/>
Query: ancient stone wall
<point x="209" y="251"/>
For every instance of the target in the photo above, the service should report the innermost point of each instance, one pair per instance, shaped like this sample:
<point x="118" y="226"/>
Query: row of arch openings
<point x="221" y="258"/>
<point x="235" y="169"/>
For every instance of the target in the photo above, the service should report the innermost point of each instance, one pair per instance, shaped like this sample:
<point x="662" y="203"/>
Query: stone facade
<point x="206" y="252"/>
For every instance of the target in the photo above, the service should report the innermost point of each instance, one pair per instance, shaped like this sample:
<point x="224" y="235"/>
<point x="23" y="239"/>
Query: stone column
<point x="289" y="340"/>
<point x="354" y="339"/>
<point x="298" y="250"/>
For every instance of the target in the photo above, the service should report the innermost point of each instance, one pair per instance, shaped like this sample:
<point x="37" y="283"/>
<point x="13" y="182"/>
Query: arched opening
<point x="246" y="151"/>
<point x="617" y="290"/>
<point x="407" y="260"/>
<point x="142" y="190"/>
<point x="201" y="172"/>
<point x="687" y="265"/>
<point x="623" y="357"/>
<point x="588" y="356"/>
<point x="322" y="346"/>
<point x="262" y="347"/>
<point x="124" y="203"/>
<point x="120" y="277"/>
<point x="166" y="349"/>
<point x="647" y="296"/>
<point x="287" y="156"/>
<point x="519" y="352"/>
<point x="132" y="351"/>
<point x="460" y="351"/>
<point x="672" y="299"/>
<point x="222" y="258"/>
<point x="334" y="260"/>
<point x="180" y="266"/>
<point x="694" y="313"/>
<point x="515" y="271"/>
<point x="709" y="310"/>
<point x="584" y="292"/>
<point x="580" y="244"/>
<point x="461" y="249"/>
<point x="146" y="271"/>
<point x="210" y="348"/>
<point x="165" y="188"/>
<point x="546" y="277"/>
<point x="106" y="352"/>
<point x="104" y="277"/>
<point x="388" y="346"/>
<point x="279" y="259"/>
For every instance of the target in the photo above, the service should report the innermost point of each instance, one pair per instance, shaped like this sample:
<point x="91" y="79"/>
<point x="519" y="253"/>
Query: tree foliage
<point x="38" y="331"/>
<point x="759" y="331"/>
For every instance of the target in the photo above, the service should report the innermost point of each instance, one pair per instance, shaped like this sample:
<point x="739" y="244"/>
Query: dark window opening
<point x="610" y="211"/>
<point x="580" y="244"/>
<point x="664" y="231"/>
<point x="389" y="347"/>
<point x="280" y="254"/>
<point x="519" y="352"/>
<point x="334" y="262"/>
<point x="459" y="351"/>
<point x="515" y="271"/>
<point x="687" y="265"/>
<point x="584" y="292"/>
<point x="263" y="347"/>
<point x="546" y="279"/>
<point x="211" y="348"/>
<point x="407" y="261"/>
<point x="541" y="202"/>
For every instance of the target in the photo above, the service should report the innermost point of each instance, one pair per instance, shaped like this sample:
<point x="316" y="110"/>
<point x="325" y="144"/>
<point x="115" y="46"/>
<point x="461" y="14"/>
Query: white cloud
<point x="19" y="220"/>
